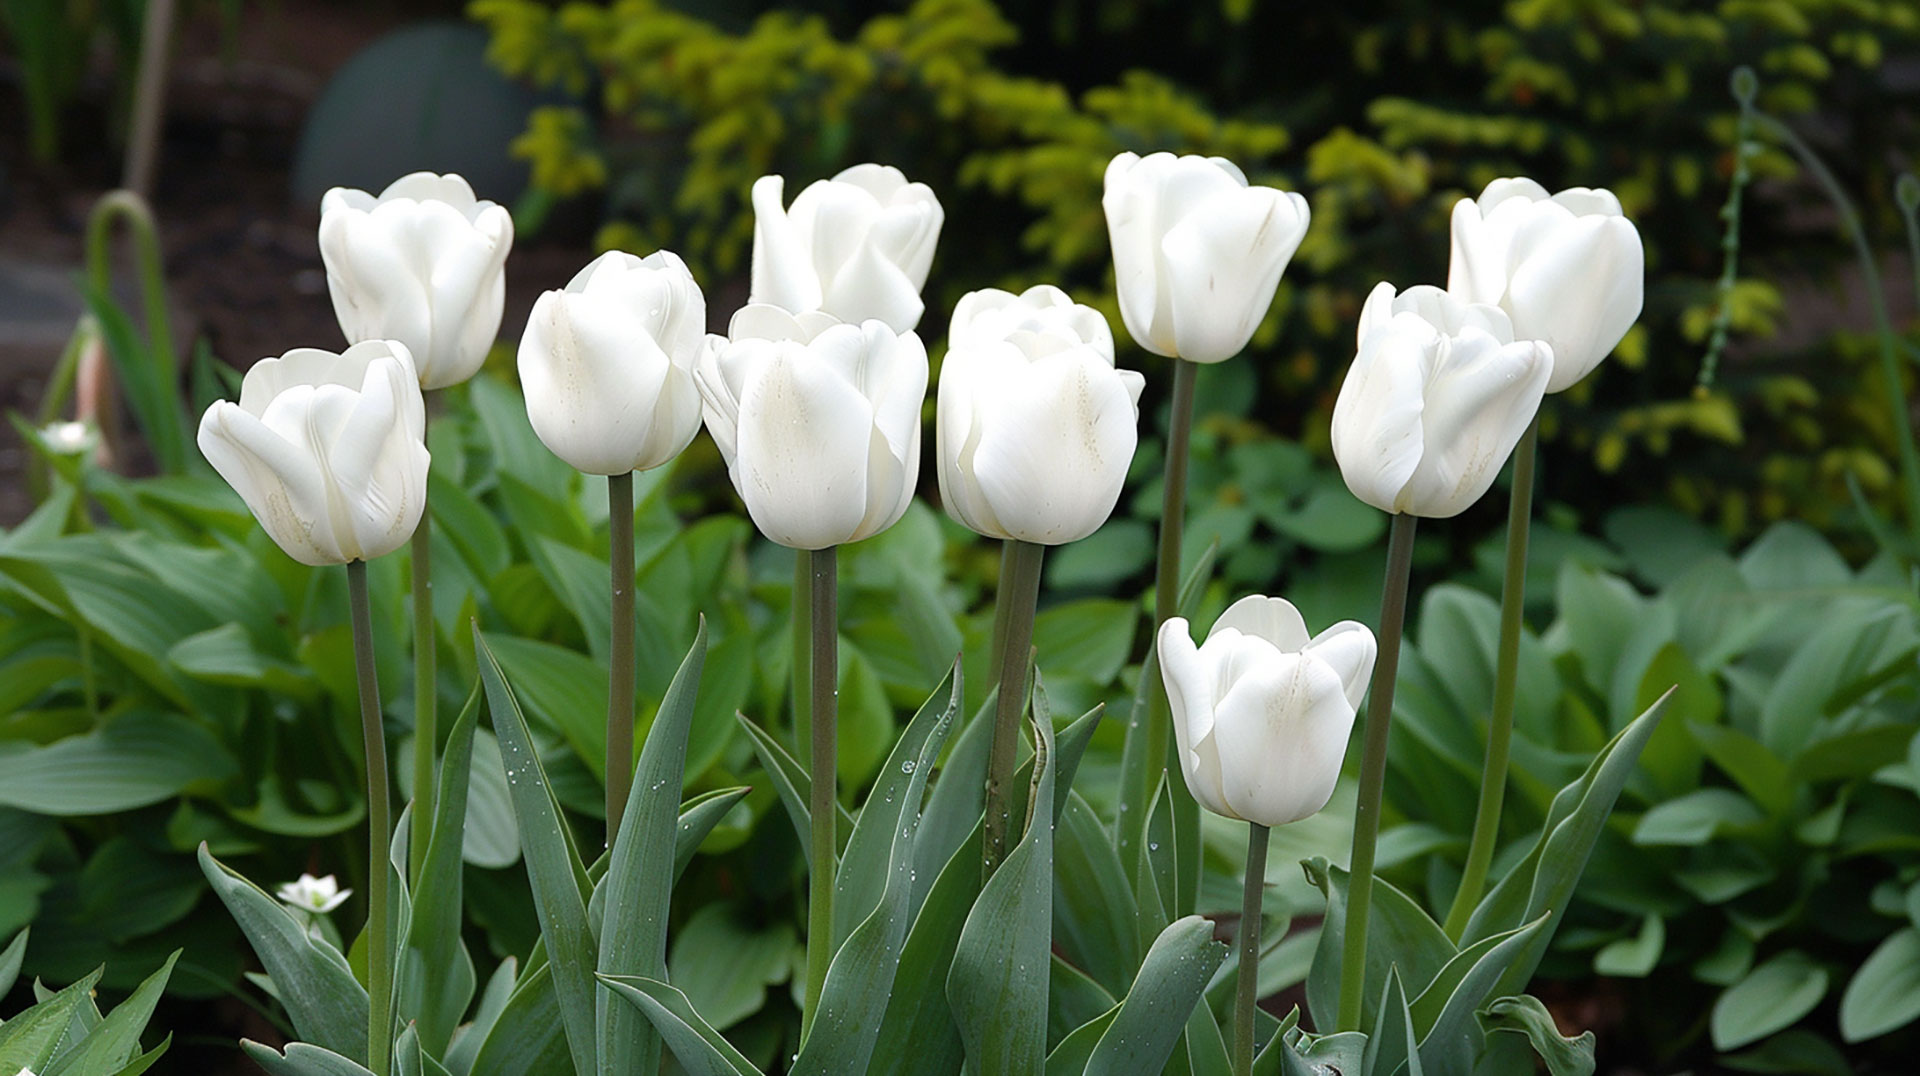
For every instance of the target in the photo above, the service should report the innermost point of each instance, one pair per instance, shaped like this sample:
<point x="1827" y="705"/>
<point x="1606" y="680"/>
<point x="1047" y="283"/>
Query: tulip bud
<point x="1035" y="426"/>
<point x="422" y="264"/>
<point x="328" y="451"/>
<point x="607" y="364"/>
<point x="1568" y="269"/>
<point x="819" y="422"/>
<point x="1261" y="712"/>
<point x="1435" y="402"/>
<point x="1197" y="253"/>
<point x="857" y="246"/>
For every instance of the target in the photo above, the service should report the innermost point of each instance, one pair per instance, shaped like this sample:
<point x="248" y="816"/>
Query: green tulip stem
<point x="1019" y="593"/>
<point x="379" y="828"/>
<point x="425" y="720"/>
<point x="1247" y="991"/>
<point x="1373" y="771"/>
<point x="823" y="781"/>
<point x="620" y="675"/>
<point x="802" y="640"/>
<point x="1493" y="775"/>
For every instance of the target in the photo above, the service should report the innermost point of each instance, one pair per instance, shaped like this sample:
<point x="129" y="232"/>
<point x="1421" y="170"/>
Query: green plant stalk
<point x="379" y="828"/>
<point x="802" y="631"/>
<point x="1019" y="594"/>
<point x="1506" y="679"/>
<point x="1149" y="740"/>
<point x="169" y="450"/>
<point x="1373" y="771"/>
<point x="1247" y="984"/>
<point x="426" y="733"/>
<point x="621" y="659"/>
<point x="1882" y="323"/>
<point x="823" y="780"/>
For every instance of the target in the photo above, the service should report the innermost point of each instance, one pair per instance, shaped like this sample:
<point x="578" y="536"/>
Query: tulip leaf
<point x="1093" y="906"/>
<point x="791" y="782"/>
<point x="1885" y="993"/>
<point x="918" y="1035"/>
<point x="1401" y="936"/>
<point x="957" y="801"/>
<point x="1072" y="1000"/>
<point x="117" y="1038"/>
<point x="409" y="1059"/>
<point x="28" y="1041"/>
<point x="1149" y="1021"/>
<point x="996" y="985"/>
<point x="640" y="874"/>
<point x="553" y="867"/>
<point x="1525" y="1015"/>
<point x="1442" y="1016"/>
<point x="698" y="816"/>
<point x="1544" y="880"/>
<point x="565" y="690"/>
<point x="859" y="985"/>
<point x="527" y="1038"/>
<point x="1391" y="1045"/>
<point x="492" y="835"/>
<point x="436" y="978"/>
<point x="700" y="1049"/>
<point x="327" y="1004"/>
<point x="863" y="874"/>
<point x="493" y="1002"/>
<point x="302" y="1059"/>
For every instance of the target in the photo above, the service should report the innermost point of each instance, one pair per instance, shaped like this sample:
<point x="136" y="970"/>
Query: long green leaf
<point x="493" y="1002"/>
<point x="1400" y="934"/>
<point x="858" y="989"/>
<point x="791" y="782"/>
<point x="698" y="816"/>
<point x="1391" y="1046"/>
<point x="28" y="1041"/>
<point x="1153" y="1015"/>
<point x="700" y="1049"/>
<point x="302" y="1059"/>
<point x="997" y="985"/>
<point x="10" y="959"/>
<point x="917" y="1035"/>
<point x="639" y="881"/>
<point x="108" y="1047"/>
<point x="327" y="1004"/>
<point x="553" y="868"/>
<point x="527" y="1039"/>
<point x="1093" y="906"/>
<point x="1443" y="1022"/>
<point x="436" y="979"/>
<point x="959" y="797"/>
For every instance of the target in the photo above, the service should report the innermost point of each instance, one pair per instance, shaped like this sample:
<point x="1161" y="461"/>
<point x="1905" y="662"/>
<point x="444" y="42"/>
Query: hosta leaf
<point x="1884" y="994"/>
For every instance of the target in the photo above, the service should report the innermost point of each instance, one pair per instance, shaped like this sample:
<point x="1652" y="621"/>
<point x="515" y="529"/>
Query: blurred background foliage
<point x="1383" y="114"/>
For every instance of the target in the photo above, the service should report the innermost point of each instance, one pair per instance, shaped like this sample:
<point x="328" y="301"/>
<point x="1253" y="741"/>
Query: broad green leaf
<point x="1773" y="996"/>
<point x="493" y="837"/>
<point x="859" y="986"/>
<point x="564" y="689"/>
<point x="1073" y="999"/>
<point x="917" y="1034"/>
<point x="1093" y="909"/>
<point x="1400" y="934"/>
<point x="493" y="1002"/>
<point x="1070" y="1055"/>
<point x="700" y="1049"/>
<point x="1635" y="957"/>
<point x="1543" y="881"/>
<point x="957" y="801"/>
<point x="327" y="1004"/>
<point x="1151" y="1018"/>
<point x="1090" y="639"/>
<point x="1853" y="641"/>
<point x="29" y="1040"/>
<point x="639" y="879"/>
<point x="133" y="760"/>
<point x="436" y="978"/>
<point x="1794" y="1052"/>
<point x="724" y="964"/>
<point x="1696" y="818"/>
<point x="1759" y="772"/>
<point x="527" y="1039"/>
<point x="10" y="959"/>
<point x="111" y="1045"/>
<point x="791" y="782"/>
<point x="410" y="1060"/>
<point x="555" y="871"/>
<point x="1884" y="994"/>
<point x="1525" y="1015"/>
<point x="1391" y="1046"/>
<point x="997" y="985"/>
<point x="302" y="1059"/>
<point x="1442" y="1016"/>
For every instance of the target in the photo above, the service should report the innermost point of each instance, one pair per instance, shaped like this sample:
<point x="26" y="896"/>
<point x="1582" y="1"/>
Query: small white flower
<point x="68" y="438"/>
<point x="311" y="894"/>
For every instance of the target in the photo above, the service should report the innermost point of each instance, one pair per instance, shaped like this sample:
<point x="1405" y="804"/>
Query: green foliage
<point x="64" y="1032"/>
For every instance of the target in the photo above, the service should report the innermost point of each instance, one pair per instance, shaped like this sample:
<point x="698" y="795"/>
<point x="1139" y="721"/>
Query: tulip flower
<point x="607" y="364"/>
<point x="1262" y="710"/>
<point x="327" y="450"/>
<point x="1435" y="402"/>
<point x="1567" y="268"/>
<point x="422" y="264"/>
<point x="1197" y="253"/>
<point x="819" y="422"/>
<point x="857" y="246"/>
<point x="1035" y="428"/>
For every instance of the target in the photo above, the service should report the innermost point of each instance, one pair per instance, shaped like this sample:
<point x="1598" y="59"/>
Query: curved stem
<point x="379" y="828"/>
<point x="823" y="780"/>
<point x="1506" y="678"/>
<point x="1247" y="987"/>
<point x="1019" y="593"/>
<point x="621" y="658"/>
<point x="1373" y="772"/>
<point x="426" y="733"/>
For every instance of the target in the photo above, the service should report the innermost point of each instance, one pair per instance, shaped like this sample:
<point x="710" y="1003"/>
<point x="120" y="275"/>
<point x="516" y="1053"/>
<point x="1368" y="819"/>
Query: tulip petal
<point x="1349" y="649"/>
<point x="370" y="278"/>
<point x="783" y="273"/>
<point x="282" y="484"/>
<point x="1377" y="417"/>
<point x="801" y="458"/>
<point x="1282" y="729"/>
<point x="1481" y="396"/>
<point x="868" y="286"/>
<point x="1223" y="262"/>
<point x="379" y="471"/>
<point x="1056" y="441"/>
<point x="1273" y="619"/>
<point x="1580" y="289"/>
<point x="957" y="437"/>
<point x="1189" y="677"/>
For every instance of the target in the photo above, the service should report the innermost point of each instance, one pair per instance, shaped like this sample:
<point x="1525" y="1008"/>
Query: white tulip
<point x="422" y="264"/>
<point x="1262" y="711"/>
<point x="1035" y="426"/>
<point x="857" y="246"/>
<point x="819" y="422"/>
<point x="607" y="364"/>
<point x="1567" y="268"/>
<point x="327" y="450"/>
<point x="310" y="894"/>
<point x="1197" y="253"/>
<point x="1435" y="402"/>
